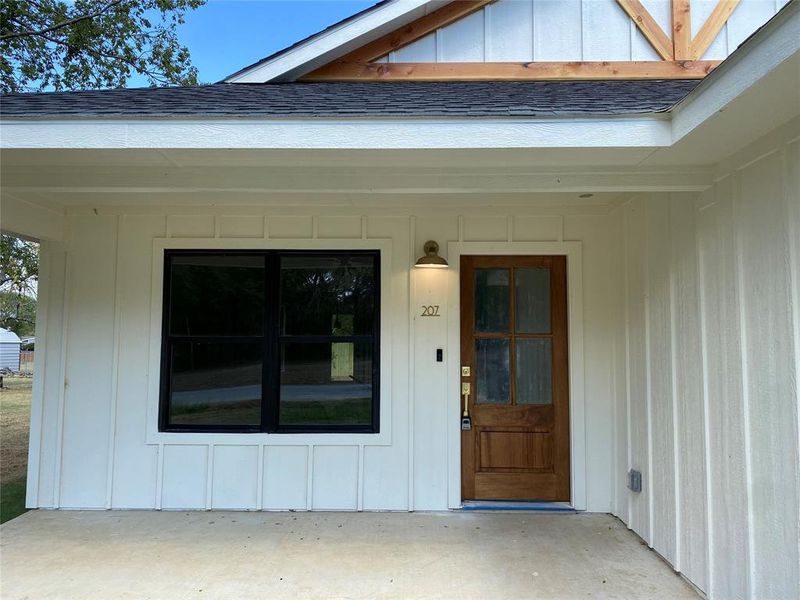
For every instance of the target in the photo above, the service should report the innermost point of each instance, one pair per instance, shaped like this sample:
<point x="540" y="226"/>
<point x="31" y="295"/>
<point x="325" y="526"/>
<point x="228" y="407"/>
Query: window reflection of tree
<point x="331" y="297"/>
<point x="312" y="294"/>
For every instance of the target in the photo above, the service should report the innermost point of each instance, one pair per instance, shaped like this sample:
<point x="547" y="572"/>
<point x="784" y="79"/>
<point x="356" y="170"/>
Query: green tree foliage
<point x="92" y="44"/>
<point x="18" y="313"/>
<point x="19" y="275"/>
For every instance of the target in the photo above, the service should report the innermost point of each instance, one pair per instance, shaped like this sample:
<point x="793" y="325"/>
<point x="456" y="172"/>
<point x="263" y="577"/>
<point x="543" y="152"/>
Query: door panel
<point x="515" y="450"/>
<point x="514" y="350"/>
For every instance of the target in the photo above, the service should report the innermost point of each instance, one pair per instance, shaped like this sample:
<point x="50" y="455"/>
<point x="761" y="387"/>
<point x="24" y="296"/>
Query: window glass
<point x="216" y="383"/>
<point x="235" y="361"/>
<point x="532" y="300"/>
<point x="327" y="295"/>
<point x="326" y="384"/>
<point x="534" y="370"/>
<point x="492" y="368"/>
<point x="492" y="304"/>
<point x="217" y="295"/>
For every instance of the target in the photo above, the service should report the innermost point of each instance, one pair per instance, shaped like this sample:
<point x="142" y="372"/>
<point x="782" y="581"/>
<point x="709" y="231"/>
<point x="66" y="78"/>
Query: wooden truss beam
<point x="711" y="28"/>
<point x="532" y="71"/>
<point x="413" y="31"/>
<point x="681" y="29"/>
<point x="680" y="46"/>
<point x="649" y="28"/>
<point x="680" y="53"/>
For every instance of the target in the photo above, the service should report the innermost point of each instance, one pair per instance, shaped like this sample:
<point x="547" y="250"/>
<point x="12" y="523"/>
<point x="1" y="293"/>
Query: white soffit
<point x="338" y="40"/>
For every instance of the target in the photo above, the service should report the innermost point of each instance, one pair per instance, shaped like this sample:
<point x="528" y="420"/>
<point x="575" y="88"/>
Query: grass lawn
<point x="15" y="411"/>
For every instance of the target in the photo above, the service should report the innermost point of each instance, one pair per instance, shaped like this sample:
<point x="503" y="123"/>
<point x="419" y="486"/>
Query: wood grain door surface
<point x="514" y="358"/>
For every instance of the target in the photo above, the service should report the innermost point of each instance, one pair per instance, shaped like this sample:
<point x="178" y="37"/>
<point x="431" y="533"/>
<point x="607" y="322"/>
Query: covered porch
<point x="120" y="554"/>
<point x="680" y="234"/>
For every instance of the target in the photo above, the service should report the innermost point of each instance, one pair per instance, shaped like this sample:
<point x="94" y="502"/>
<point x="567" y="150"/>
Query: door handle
<point x="466" y="389"/>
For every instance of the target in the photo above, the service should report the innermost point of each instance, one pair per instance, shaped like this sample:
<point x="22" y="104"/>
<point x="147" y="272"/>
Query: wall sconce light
<point x="431" y="260"/>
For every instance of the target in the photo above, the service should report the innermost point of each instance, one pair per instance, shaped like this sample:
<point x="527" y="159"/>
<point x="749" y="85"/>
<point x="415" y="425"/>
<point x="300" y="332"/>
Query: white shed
<point x="9" y="350"/>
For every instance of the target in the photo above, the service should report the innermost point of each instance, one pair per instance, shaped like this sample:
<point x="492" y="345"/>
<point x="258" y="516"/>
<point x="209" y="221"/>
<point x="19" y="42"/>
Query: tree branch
<point x="154" y="75"/>
<point x="62" y="24"/>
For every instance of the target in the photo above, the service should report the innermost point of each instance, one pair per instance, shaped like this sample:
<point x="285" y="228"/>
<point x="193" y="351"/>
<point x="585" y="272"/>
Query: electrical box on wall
<point x="635" y="480"/>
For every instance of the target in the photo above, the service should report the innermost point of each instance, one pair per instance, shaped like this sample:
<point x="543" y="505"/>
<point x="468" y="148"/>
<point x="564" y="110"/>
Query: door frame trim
<point x="573" y="251"/>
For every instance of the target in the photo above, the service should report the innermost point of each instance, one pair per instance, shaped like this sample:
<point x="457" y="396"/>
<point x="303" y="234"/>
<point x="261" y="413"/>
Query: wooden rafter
<point x="506" y="71"/>
<point x="649" y="28"/>
<point x="679" y="52"/>
<point x="414" y="31"/>
<point x="711" y="28"/>
<point x="681" y="29"/>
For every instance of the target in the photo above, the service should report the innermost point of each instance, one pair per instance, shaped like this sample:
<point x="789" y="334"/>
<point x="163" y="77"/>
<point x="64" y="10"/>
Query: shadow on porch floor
<point x="129" y="554"/>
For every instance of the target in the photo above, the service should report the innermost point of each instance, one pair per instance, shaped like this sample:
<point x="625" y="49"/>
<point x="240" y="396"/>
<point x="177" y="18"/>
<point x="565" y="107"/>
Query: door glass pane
<point x="215" y="383"/>
<point x="532" y="300"/>
<point x="326" y="384"/>
<point x="325" y="295"/>
<point x="492" y="371"/>
<point x="216" y="294"/>
<point x="534" y="371"/>
<point x="492" y="306"/>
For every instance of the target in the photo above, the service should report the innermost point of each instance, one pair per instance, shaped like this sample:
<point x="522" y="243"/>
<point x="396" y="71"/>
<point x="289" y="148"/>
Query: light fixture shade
<point x="431" y="260"/>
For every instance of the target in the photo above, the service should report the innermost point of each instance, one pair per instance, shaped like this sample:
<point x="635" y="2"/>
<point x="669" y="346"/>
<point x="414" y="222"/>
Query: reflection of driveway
<point x="332" y="391"/>
<point x="221" y="395"/>
<point x="289" y="393"/>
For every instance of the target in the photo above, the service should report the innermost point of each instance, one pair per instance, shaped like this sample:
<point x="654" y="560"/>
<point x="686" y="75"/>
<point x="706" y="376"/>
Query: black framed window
<point x="270" y="341"/>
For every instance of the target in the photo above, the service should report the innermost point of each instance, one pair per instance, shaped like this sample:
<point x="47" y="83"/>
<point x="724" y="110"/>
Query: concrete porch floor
<point x="165" y="555"/>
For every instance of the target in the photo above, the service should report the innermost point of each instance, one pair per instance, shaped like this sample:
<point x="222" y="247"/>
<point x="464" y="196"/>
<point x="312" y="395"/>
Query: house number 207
<point x="431" y="310"/>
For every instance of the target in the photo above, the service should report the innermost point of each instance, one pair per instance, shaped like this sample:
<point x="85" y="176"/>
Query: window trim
<point x="270" y="382"/>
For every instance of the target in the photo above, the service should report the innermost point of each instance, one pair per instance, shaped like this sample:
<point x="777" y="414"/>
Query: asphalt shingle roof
<point x="348" y="99"/>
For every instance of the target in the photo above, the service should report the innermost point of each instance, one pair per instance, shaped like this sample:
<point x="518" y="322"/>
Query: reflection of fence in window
<point x="342" y="361"/>
<point x="26" y="361"/>
<point x="342" y="352"/>
<point x="351" y="362"/>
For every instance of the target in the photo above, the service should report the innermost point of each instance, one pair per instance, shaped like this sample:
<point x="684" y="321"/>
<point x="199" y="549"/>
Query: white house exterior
<point x="547" y="130"/>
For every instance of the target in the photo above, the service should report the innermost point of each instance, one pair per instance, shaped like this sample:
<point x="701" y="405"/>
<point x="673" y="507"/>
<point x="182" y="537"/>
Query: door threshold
<point x="561" y="507"/>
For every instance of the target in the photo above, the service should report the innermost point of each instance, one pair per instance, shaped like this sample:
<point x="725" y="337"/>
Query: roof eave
<point x="775" y="42"/>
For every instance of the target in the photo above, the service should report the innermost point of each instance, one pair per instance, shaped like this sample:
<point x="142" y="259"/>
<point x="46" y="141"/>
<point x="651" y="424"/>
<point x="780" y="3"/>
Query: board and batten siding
<point x="96" y="450"/>
<point x="572" y="30"/>
<point x="707" y="392"/>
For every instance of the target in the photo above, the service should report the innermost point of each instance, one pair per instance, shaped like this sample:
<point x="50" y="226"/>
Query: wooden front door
<point x="514" y="368"/>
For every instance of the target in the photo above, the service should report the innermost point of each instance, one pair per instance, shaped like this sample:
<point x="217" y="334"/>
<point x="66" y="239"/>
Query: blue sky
<point x="226" y="35"/>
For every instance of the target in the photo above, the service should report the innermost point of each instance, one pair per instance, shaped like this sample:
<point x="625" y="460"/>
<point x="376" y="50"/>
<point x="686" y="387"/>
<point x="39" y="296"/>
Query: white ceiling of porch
<point x="552" y="177"/>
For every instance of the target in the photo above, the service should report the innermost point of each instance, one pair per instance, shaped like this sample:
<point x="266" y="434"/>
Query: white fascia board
<point x="647" y="131"/>
<point x="329" y="45"/>
<point x="777" y="42"/>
